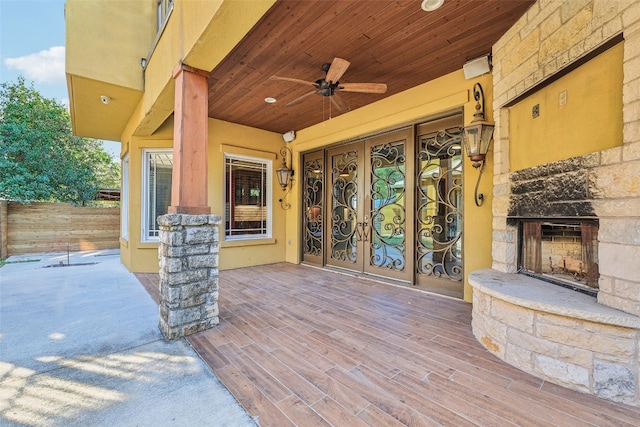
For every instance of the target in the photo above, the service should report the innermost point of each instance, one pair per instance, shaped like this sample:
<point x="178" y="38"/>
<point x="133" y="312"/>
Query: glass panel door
<point x="313" y="194"/>
<point x="386" y="237"/>
<point x="384" y="213"/>
<point x="345" y="211"/>
<point x="439" y="206"/>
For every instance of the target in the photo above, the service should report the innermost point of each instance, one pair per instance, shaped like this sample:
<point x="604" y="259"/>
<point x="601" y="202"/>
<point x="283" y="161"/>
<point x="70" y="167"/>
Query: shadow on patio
<point x="298" y="345"/>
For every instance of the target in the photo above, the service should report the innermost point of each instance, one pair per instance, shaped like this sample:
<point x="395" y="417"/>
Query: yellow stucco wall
<point x="589" y="121"/>
<point x="104" y="44"/>
<point x="100" y="34"/>
<point x="223" y="137"/>
<point x="240" y="140"/>
<point x="136" y="255"/>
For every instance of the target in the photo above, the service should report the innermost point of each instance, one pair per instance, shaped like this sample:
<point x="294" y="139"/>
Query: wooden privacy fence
<point x="54" y="227"/>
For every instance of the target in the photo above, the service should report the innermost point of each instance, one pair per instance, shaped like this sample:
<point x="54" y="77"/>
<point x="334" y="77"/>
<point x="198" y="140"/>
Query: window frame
<point x="124" y="199"/>
<point x="163" y="11"/>
<point x="145" y="205"/>
<point x="268" y="163"/>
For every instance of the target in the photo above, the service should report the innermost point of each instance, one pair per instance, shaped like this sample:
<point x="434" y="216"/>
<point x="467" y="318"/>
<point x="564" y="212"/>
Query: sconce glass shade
<point x="284" y="175"/>
<point x="476" y="138"/>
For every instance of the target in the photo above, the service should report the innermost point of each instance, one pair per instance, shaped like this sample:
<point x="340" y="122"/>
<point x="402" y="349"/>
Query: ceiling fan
<point x="330" y="85"/>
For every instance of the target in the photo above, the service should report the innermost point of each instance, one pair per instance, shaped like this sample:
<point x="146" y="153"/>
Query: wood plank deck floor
<point x="302" y="346"/>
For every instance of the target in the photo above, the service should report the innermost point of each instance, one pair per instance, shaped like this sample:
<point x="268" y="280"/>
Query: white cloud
<point x="46" y="66"/>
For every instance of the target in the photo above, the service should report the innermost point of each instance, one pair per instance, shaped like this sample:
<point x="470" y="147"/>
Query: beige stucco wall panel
<point x="223" y="137"/>
<point x="142" y="256"/>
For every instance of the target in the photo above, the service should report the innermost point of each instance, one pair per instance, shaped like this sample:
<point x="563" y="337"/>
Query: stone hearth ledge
<point x="538" y="295"/>
<point x="557" y="334"/>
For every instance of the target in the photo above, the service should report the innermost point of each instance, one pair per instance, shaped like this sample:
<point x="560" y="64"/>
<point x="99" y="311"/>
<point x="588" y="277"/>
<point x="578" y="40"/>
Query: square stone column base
<point x="188" y="253"/>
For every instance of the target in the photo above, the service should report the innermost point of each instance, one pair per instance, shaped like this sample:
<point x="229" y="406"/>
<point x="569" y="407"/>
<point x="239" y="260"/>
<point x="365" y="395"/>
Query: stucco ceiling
<point x="392" y="42"/>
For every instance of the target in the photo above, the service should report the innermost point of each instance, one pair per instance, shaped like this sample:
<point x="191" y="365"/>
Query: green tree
<point x="40" y="158"/>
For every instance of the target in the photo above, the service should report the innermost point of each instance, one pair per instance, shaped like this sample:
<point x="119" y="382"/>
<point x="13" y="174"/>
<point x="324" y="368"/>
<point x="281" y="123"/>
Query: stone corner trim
<point x="557" y="334"/>
<point x="188" y="255"/>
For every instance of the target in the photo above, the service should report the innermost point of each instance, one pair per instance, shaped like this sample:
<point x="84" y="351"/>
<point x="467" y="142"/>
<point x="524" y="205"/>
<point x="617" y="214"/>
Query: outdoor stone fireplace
<point x="587" y="343"/>
<point x="556" y="224"/>
<point x="536" y="320"/>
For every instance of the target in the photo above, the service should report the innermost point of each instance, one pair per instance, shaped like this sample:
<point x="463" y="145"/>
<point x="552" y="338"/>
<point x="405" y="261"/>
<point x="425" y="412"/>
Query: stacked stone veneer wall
<point x="549" y="37"/>
<point x="188" y="252"/>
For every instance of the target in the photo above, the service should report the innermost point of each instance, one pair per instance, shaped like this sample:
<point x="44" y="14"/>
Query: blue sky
<point x="32" y="39"/>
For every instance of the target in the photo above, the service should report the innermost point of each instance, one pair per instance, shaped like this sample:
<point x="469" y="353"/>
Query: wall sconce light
<point x="476" y="138"/>
<point x="284" y="174"/>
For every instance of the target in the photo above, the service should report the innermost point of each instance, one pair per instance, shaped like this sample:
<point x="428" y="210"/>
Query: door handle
<point x="362" y="230"/>
<point x="358" y="231"/>
<point x="365" y="229"/>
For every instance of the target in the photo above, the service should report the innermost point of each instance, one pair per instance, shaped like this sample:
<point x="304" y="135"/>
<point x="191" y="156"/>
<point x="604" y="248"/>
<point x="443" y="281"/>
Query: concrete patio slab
<point x="80" y="345"/>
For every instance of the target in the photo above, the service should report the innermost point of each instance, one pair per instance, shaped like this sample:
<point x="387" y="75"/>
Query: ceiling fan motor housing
<point x="326" y="88"/>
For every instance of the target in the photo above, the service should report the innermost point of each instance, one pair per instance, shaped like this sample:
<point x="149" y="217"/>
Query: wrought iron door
<point x="439" y="206"/>
<point x="392" y="206"/>
<point x="313" y="196"/>
<point x="345" y="216"/>
<point x="368" y="206"/>
<point x="387" y="205"/>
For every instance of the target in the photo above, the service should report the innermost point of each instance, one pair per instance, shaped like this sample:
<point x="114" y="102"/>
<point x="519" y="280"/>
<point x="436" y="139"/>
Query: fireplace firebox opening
<point x="563" y="252"/>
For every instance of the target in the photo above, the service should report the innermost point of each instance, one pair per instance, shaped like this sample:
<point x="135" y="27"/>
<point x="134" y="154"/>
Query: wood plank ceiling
<point x="392" y="42"/>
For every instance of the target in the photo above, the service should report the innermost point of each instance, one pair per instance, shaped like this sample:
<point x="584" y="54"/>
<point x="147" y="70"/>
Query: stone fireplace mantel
<point x="558" y="334"/>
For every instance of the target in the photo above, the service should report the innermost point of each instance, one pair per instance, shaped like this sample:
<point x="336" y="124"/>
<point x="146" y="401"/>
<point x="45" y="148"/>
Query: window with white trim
<point x="156" y="190"/>
<point x="124" y="199"/>
<point x="163" y="9"/>
<point x="247" y="183"/>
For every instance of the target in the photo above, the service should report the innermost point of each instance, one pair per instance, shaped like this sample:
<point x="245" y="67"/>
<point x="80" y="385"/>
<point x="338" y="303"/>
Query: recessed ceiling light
<point x="431" y="5"/>
<point x="270" y="100"/>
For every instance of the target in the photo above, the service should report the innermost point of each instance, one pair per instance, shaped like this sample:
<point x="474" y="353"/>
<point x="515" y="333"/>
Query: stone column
<point x="188" y="254"/>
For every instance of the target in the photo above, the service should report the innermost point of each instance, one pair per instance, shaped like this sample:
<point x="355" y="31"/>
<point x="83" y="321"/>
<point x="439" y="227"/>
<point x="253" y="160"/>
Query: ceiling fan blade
<point x="363" y="87"/>
<point x="337" y="69"/>
<point x="339" y="103"/>
<point x="300" y="99"/>
<point x="290" y="79"/>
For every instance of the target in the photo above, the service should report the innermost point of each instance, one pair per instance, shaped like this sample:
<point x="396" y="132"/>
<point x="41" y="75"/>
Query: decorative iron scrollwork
<point x="388" y="216"/>
<point x="344" y="173"/>
<point x="313" y="227"/>
<point x="439" y="205"/>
